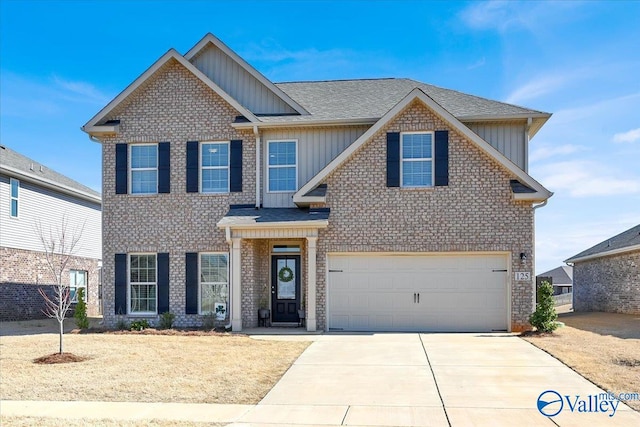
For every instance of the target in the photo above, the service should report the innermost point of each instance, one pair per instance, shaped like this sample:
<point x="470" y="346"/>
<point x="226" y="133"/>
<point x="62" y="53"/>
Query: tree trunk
<point x="61" y="333"/>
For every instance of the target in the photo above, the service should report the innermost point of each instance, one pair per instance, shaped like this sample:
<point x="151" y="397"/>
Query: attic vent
<point x="31" y="166"/>
<point x="41" y="168"/>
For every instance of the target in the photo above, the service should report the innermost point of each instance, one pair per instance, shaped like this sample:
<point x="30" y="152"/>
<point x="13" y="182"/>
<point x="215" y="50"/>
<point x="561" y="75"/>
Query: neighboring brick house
<point x="606" y="277"/>
<point x="368" y="205"/>
<point x="32" y="196"/>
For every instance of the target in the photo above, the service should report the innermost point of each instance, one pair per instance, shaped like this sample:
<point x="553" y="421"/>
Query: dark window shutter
<point x="121" y="169"/>
<point x="191" y="267"/>
<point x="164" y="167"/>
<point x="393" y="159"/>
<point x="192" y="166"/>
<point x="442" y="158"/>
<point x="235" y="167"/>
<point x="163" y="282"/>
<point x="121" y="284"/>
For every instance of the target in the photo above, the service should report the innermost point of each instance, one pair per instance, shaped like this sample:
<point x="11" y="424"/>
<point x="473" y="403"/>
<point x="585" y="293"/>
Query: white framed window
<point x="143" y="284"/>
<point x="15" y="193"/>
<point x="214" y="167"/>
<point x="416" y="159"/>
<point x="282" y="162"/>
<point x="143" y="170"/>
<point x="213" y="283"/>
<point x="77" y="280"/>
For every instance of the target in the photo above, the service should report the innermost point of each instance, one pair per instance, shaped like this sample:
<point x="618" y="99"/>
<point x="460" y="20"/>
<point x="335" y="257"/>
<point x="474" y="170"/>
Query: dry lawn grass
<point x="599" y="346"/>
<point x="58" y="422"/>
<point x="145" y="368"/>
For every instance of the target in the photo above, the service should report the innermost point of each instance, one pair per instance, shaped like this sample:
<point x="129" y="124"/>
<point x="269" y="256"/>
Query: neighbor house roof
<point x="561" y="276"/>
<point x="21" y="167"/>
<point x="370" y="99"/>
<point x="626" y="241"/>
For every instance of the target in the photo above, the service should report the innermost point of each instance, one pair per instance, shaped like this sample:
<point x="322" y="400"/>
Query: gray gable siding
<point x="509" y="138"/>
<point x="239" y="83"/>
<point x="37" y="203"/>
<point x="316" y="148"/>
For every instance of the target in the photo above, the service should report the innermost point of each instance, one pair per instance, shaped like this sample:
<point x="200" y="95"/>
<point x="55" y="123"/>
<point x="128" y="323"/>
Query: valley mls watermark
<point x="551" y="403"/>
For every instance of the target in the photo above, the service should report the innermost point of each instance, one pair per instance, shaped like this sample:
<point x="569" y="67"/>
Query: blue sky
<point x="62" y="61"/>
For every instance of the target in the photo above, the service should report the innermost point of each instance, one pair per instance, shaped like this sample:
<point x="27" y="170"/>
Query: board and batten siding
<point x="47" y="206"/>
<point x="509" y="138"/>
<point x="239" y="83"/>
<point x="316" y="148"/>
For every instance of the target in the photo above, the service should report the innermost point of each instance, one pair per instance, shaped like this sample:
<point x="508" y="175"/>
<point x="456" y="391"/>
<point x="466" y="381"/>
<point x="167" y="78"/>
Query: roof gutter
<point x="604" y="254"/>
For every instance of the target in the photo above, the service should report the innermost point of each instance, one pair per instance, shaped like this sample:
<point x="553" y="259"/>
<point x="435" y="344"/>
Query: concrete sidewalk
<point x="385" y="380"/>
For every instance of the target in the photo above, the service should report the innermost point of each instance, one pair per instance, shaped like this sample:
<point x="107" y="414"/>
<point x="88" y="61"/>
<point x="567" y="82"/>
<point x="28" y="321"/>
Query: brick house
<point x="606" y="277"/>
<point x="364" y="205"/>
<point x="32" y="194"/>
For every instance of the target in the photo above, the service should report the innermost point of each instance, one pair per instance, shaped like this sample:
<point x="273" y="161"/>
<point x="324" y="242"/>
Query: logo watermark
<point x="550" y="403"/>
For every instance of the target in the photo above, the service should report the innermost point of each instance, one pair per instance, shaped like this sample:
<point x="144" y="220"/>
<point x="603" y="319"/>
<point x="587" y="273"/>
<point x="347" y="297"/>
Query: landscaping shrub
<point x="209" y="321"/>
<point x="138" y="325"/>
<point x="544" y="318"/>
<point x="82" y="321"/>
<point x="122" y="325"/>
<point x="166" y="320"/>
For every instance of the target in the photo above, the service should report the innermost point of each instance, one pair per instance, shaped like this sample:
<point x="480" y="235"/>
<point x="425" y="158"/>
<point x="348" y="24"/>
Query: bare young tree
<point x="60" y="243"/>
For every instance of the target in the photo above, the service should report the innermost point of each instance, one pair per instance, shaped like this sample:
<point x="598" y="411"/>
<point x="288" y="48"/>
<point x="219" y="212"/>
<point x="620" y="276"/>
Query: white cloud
<point x="547" y="151"/>
<point x="536" y="88"/>
<point x="630" y="136"/>
<point x="503" y="15"/>
<point x="83" y="89"/>
<point x="479" y="63"/>
<point x="585" y="178"/>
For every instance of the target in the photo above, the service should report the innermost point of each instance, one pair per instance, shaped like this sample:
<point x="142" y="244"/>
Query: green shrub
<point x="80" y="314"/>
<point x="166" y="320"/>
<point x="138" y="325"/>
<point x="544" y="318"/>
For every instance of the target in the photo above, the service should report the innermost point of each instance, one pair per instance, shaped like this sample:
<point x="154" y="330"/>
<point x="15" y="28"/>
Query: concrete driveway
<point x="428" y="380"/>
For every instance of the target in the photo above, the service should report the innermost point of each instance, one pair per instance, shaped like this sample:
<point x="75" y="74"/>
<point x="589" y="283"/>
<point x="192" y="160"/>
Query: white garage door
<point x="443" y="293"/>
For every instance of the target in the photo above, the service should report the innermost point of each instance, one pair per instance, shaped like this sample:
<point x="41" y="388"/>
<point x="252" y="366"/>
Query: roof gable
<point x="562" y="275"/>
<point x="539" y="193"/>
<point x="211" y="49"/>
<point x="93" y="126"/>
<point x="626" y="241"/>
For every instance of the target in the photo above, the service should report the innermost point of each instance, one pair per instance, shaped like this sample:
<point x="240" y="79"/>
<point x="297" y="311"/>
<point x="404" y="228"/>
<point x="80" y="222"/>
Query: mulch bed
<point x="54" y="358"/>
<point x="152" y="331"/>
<point x="538" y="334"/>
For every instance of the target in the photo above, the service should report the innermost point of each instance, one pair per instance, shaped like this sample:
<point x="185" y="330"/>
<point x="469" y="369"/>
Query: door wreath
<point x="285" y="274"/>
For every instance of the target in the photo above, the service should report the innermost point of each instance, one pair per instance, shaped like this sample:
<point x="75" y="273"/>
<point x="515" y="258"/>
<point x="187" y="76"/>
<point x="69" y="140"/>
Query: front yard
<point x="602" y="347"/>
<point x="219" y="368"/>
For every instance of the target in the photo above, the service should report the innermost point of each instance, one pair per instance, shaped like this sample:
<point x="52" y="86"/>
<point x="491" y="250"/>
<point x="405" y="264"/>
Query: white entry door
<point x="440" y="293"/>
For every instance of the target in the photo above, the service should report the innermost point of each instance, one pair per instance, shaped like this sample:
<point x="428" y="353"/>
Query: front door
<point x="285" y="288"/>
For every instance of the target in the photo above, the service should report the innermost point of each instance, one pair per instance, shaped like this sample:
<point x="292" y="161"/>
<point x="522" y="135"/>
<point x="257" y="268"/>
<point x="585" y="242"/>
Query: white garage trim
<point x="418" y="319"/>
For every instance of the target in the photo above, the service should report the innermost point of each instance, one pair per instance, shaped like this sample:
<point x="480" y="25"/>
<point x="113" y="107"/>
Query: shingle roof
<point x="562" y="275"/>
<point x="372" y="98"/>
<point x="10" y="159"/>
<point x="626" y="239"/>
<point x="251" y="215"/>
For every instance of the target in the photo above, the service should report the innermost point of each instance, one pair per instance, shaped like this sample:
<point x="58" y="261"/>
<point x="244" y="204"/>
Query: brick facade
<point x="23" y="272"/>
<point x="610" y="284"/>
<point x="475" y="212"/>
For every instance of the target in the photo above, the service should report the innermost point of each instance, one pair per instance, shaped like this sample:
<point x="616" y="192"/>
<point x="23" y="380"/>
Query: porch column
<point x="311" y="283"/>
<point x="236" y="285"/>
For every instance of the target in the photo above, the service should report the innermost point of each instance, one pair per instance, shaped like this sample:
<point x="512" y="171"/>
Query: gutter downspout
<point x="227" y="237"/>
<point x="256" y="132"/>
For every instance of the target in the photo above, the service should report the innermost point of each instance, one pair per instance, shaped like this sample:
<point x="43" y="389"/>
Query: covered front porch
<point x="273" y="255"/>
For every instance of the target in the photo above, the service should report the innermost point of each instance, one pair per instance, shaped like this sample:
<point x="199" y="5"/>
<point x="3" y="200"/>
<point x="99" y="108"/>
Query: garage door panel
<point x="457" y="293"/>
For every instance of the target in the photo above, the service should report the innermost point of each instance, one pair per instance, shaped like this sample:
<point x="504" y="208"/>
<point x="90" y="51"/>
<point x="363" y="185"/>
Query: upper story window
<point x="214" y="167"/>
<point x="77" y="280"/>
<point x="282" y="166"/>
<point x="144" y="168"/>
<point x="15" y="191"/>
<point x="143" y="284"/>
<point x="416" y="154"/>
